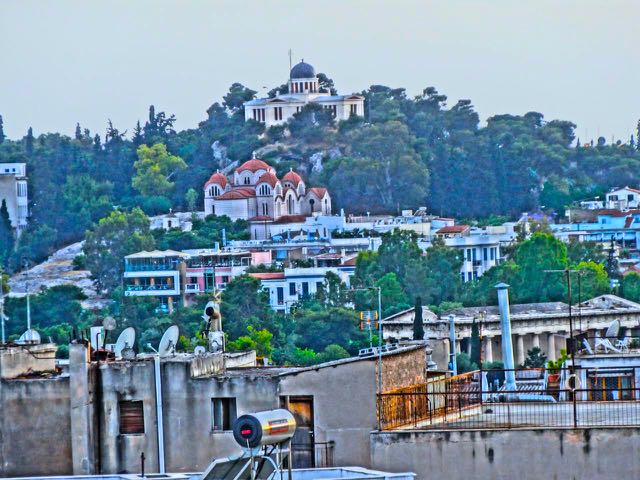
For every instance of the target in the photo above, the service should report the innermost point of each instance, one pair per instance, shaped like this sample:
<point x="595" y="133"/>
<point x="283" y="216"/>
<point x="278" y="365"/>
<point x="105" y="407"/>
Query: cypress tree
<point x="6" y="233"/>
<point x="2" y="137"/>
<point x="475" y="343"/>
<point x="418" y="328"/>
<point x="29" y="142"/>
<point x="78" y="132"/>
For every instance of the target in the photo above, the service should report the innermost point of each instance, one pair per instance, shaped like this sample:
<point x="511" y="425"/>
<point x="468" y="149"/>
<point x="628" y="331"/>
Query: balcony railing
<point x="151" y="267"/>
<point x="149" y="288"/>
<point x="542" y="399"/>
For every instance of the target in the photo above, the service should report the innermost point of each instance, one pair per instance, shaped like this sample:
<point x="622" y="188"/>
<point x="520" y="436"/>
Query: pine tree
<point x="138" y="138"/>
<point x="418" y="327"/>
<point x="2" y="137"/>
<point x="6" y="234"/>
<point x="29" y="142"/>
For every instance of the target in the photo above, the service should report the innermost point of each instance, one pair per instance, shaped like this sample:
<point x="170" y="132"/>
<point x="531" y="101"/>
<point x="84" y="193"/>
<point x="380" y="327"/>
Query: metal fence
<point x="569" y="398"/>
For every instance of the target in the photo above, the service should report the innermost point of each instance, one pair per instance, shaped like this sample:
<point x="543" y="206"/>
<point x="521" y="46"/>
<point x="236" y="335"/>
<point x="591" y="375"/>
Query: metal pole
<point x="159" y="416"/>
<point x="380" y="386"/>
<point x="452" y="345"/>
<point x="507" y="342"/>
<point x="2" y="309"/>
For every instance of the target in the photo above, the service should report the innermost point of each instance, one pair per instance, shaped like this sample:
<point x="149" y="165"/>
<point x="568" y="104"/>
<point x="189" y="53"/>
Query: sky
<point x="69" y="61"/>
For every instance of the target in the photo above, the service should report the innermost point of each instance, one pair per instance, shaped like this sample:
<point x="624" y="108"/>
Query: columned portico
<point x="535" y="341"/>
<point x="488" y="349"/>
<point x="520" y="353"/>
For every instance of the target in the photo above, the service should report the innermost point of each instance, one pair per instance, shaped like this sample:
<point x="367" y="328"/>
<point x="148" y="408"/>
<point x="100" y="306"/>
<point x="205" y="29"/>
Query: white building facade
<point x="303" y="88"/>
<point x="13" y="190"/>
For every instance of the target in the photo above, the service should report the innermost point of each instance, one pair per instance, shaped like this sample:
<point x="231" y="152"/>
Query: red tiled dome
<point x="238" y="194"/>
<point x="253" y="165"/>
<point x="218" y="179"/>
<point x="292" y="177"/>
<point x="269" y="178"/>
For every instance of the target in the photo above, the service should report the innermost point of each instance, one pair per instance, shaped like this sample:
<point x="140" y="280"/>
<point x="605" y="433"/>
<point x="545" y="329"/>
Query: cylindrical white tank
<point x="264" y="428"/>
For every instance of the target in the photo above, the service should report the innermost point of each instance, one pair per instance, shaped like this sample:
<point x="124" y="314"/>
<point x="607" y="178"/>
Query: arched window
<point x="311" y="203"/>
<point x="290" y="205"/>
<point x="247" y="180"/>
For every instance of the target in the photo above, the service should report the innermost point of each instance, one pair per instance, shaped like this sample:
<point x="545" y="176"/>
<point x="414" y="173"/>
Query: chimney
<point x="507" y="343"/>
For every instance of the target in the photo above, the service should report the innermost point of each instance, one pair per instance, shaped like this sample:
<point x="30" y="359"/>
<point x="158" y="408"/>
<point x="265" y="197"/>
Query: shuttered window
<point x="224" y="413"/>
<point x="131" y="417"/>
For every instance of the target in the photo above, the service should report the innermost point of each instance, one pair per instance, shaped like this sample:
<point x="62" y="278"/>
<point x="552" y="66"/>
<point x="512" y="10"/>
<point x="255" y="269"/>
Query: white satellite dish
<point x="199" y="350"/>
<point x="126" y="340"/>
<point x="30" y="337"/>
<point x="109" y="323"/>
<point x="209" y="309"/>
<point x="613" y="330"/>
<point x="169" y="341"/>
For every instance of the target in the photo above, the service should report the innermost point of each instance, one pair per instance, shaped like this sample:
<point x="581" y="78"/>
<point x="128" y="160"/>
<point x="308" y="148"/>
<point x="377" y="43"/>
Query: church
<point x="303" y="88"/>
<point x="256" y="194"/>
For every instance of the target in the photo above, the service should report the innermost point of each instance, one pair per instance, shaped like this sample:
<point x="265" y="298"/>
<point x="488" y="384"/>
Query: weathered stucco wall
<point x="404" y="369"/>
<point x="540" y="454"/>
<point x="35" y="429"/>
<point x="344" y="406"/>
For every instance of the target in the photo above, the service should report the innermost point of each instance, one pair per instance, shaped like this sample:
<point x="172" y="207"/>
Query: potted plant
<point x="553" y="368"/>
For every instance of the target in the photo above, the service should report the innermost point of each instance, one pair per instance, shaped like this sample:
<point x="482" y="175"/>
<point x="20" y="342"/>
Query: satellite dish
<point x="209" y="310"/>
<point x="199" y="350"/>
<point x="126" y="340"/>
<point x="613" y="330"/>
<point x="109" y="323"/>
<point x="29" y="337"/>
<point x="169" y="341"/>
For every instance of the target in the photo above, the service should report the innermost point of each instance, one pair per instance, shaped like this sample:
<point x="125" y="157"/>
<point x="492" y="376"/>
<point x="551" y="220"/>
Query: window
<point x="247" y="180"/>
<point x="319" y="286"/>
<point x="225" y="279"/>
<point x="22" y="189"/>
<point x="277" y="113"/>
<point x="485" y="254"/>
<point x="468" y="254"/>
<point x="305" y="289"/>
<point x="469" y="276"/>
<point x="493" y="254"/>
<point x="292" y="288"/>
<point x="473" y="254"/>
<point x="223" y="413"/>
<point x="475" y="275"/>
<point x="631" y="197"/>
<point x="280" y="295"/>
<point x="131" y="417"/>
<point x="353" y="109"/>
<point x="462" y="277"/>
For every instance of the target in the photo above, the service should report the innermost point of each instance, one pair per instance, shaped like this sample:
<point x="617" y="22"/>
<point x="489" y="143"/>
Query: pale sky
<point x="86" y="61"/>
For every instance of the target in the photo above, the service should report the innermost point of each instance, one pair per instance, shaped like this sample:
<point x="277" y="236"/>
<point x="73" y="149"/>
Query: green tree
<point x="418" y="327"/>
<point x="594" y="280"/>
<point x="110" y="241"/>
<point x="475" y="343"/>
<point x="155" y="168"/>
<point x="535" y="358"/>
<point x="191" y="197"/>
<point x="631" y="286"/>
<point x="392" y="296"/>
<point x="318" y="328"/>
<point x="6" y="234"/>
<point x="237" y="95"/>
<point x="2" y="136"/>
<point x="244" y="305"/>
<point x="258" y="340"/>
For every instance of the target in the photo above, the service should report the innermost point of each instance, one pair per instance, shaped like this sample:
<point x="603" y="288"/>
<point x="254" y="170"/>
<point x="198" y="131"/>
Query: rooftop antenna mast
<point x="2" y="316"/>
<point x="290" y="62"/>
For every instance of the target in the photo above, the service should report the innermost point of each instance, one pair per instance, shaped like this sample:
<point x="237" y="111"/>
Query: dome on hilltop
<point x="302" y="70"/>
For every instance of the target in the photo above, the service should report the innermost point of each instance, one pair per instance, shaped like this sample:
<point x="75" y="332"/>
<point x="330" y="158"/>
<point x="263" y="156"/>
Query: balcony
<point x="192" y="288"/>
<point x="149" y="288"/>
<point x="149" y="267"/>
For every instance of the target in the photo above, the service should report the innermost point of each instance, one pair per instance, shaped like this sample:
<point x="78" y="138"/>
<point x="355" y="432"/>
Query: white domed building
<point x="303" y="88"/>
<point x="255" y="193"/>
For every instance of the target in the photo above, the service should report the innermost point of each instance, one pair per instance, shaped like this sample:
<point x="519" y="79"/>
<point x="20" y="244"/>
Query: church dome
<point x="253" y="165"/>
<point x="218" y="179"/>
<point x="292" y="177"/>
<point x="302" y="70"/>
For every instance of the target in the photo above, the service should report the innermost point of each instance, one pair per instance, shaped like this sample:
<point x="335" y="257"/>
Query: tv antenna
<point x="125" y="341"/>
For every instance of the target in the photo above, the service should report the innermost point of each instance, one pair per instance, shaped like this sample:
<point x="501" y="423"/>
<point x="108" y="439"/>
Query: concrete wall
<point x="190" y="442"/>
<point x="35" y="430"/>
<point x="344" y="406"/>
<point x="540" y="454"/>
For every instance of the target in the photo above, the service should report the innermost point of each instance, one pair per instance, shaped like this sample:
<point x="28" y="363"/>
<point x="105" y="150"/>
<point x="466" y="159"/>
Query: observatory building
<point x="302" y="88"/>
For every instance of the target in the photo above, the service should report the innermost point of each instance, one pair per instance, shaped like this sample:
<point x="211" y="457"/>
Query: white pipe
<point x="159" y="417"/>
